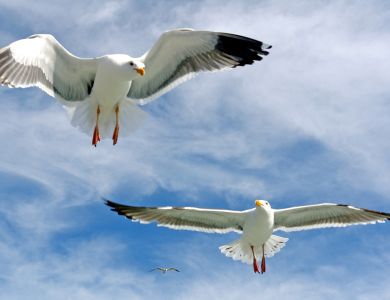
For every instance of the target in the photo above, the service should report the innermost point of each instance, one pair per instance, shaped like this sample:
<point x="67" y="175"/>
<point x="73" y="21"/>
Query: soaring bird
<point x="164" y="270"/>
<point x="102" y="94"/>
<point x="256" y="225"/>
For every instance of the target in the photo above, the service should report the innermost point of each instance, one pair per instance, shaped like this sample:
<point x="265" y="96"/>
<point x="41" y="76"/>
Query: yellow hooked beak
<point x="140" y="71"/>
<point x="259" y="203"/>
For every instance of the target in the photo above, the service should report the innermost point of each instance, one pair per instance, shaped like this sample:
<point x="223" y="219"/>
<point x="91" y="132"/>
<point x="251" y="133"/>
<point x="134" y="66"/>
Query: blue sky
<point x="308" y="124"/>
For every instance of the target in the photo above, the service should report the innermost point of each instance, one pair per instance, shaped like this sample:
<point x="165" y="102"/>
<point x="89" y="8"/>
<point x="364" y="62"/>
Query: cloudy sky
<point x="308" y="124"/>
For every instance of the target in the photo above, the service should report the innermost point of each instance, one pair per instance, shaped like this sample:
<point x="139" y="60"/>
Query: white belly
<point x="258" y="228"/>
<point x="107" y="93"/>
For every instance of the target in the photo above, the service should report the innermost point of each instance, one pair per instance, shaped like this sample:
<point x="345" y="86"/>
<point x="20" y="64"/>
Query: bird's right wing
<point x="40" y="60"/>
<point x="184" y="218"/>
<point x="155" y="269"/>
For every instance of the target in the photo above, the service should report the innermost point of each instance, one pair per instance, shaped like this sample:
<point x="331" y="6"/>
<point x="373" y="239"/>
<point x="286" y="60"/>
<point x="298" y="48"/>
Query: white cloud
<point x="323" y="81"/>
<point x="237" y="135"/>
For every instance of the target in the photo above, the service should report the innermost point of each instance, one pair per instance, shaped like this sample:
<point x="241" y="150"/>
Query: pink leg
<point x="255" y="265"/>
<point x="96" y="135"/>
<point x="116" y="130"/>
<point x="263" y="262"/>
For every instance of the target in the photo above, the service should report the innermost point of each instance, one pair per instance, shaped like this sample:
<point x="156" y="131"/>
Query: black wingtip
<point x="109" y="202"/>
<point x="242" y="49"/>
<point x="114" y="206"/>
<point x="120" y="209"/>
<point x="384" y="214"/>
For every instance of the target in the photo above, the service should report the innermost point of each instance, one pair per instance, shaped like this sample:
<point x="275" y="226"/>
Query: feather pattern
<point x="179" y="54"/>
<point x="184" y="218"/>
<point x="256" y="225"/>
<point x="324" y="215"/>
<point x="40" y="60"/>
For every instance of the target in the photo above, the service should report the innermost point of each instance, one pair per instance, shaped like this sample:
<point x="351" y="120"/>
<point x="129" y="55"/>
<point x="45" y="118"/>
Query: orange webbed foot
<point x="115" y="135"/>
<point x="263" y="265"/>
<point x="263" y="262"/>
<point x="255" y="265"/>
<point x="95" y="136"/>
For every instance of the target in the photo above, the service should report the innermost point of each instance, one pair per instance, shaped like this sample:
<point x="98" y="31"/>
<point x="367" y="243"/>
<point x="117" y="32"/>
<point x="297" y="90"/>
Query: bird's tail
<point x="240" y="250"/>
<point x="83" y="116"/>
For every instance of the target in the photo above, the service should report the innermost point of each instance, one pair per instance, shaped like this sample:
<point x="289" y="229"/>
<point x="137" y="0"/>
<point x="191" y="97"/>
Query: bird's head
<point x="137" y="67"/>
<point x="262" y="204"/>
<point x="123" y="67"/>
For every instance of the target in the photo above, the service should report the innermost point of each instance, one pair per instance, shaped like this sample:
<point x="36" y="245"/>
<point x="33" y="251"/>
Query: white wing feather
<point x="40" y="60"/>
<point x="184" y="218"/>
<point x="324" y="215"/>
<point x="179" y="54"/>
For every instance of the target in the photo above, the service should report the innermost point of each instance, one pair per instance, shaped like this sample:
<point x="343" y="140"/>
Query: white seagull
<point x="256" y="224"/>
<point x="101" y="94"/>
<point x="164" y="270"/>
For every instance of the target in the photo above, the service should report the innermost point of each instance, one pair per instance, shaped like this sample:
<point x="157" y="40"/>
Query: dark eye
<point x="131" y="63"/>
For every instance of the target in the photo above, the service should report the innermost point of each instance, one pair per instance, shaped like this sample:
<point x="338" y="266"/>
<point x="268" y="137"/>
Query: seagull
<point x="164" y="270"/>
<point x="256" y="225"/>
<point x="103" y="94"/>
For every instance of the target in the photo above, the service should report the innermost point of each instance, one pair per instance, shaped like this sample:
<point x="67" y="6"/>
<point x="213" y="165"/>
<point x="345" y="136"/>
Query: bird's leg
<point x="255" y="265"/>
<point x="263" y="262"/>
<point x="116" y="130"/>
<point x="96" y="135"/>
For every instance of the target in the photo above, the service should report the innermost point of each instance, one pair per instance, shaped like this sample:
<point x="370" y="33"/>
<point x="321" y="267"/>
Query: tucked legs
<point x="255" y="265"/>
<point x="115" y="135"/>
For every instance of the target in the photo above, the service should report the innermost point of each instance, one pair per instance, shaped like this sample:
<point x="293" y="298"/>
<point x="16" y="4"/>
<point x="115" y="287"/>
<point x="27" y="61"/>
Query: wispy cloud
<point x="308" y="124"/>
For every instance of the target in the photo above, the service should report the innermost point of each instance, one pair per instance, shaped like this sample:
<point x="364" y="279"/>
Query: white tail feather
<point x="83" y="116"/>
<point x="240" y="250"/>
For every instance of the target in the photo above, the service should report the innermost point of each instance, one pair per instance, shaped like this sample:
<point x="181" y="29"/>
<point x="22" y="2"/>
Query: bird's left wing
<point x="184" y="218"/>
<point x="180" y="53"/>
<point x="324" y="215"/>
<point x="173" y="269"/>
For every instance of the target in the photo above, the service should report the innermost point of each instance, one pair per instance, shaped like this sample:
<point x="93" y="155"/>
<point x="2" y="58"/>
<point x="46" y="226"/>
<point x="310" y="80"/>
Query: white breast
<point x="109" y="87"/>
<point x="258" y="227"/>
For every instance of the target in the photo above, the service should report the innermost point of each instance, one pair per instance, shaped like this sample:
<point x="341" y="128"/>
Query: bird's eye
<point x="131" y="63"/>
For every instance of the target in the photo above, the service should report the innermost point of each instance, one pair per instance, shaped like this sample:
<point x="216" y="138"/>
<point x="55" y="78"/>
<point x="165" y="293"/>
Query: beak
<point x="140" y="71"/>
<point x="258" y="203"/>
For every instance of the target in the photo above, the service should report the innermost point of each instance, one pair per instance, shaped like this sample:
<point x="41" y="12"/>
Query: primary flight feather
<point x="256" y="224"/>
<point x="102" y="94"/>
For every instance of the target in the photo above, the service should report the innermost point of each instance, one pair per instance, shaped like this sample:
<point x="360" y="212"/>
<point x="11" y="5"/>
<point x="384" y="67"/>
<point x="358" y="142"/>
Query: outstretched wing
<point x="40" y="60"/>
<point x="173" y="269"/>
<point x="324" y="215"/>
<point x="184" y="218"/>
<point x="181" y="53"/>
<point x="156" y="269"/>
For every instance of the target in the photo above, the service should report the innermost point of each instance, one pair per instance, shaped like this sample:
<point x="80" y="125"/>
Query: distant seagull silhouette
<point x="164" y="270"/>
